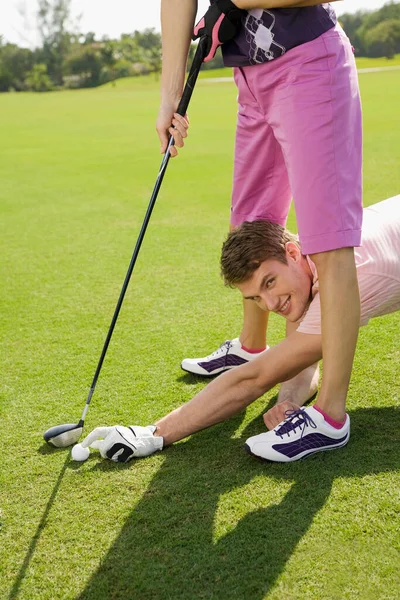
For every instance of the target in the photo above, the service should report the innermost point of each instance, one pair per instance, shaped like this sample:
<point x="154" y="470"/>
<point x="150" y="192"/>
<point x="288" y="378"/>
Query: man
<point x="264" y="261"/>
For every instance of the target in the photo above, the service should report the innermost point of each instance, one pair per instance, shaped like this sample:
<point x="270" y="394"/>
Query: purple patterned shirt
<point x="267" y="34"/>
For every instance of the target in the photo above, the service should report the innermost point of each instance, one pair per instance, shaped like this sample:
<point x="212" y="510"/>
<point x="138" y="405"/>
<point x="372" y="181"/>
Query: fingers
<point x="178" y="130"/>
<point x="277" y="414"/>
<point x="171" y="123"/>
<point x="274" y="416"/>
<point x="173" y="151"/>
<point x="97" y="444"/>
<point x="164" y="119"/>
<point x="99" y="432"/>
<point x="163" y="141"/>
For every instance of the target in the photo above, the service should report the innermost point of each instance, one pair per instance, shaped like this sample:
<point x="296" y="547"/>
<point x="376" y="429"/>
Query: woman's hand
<point x="170" y="123"/>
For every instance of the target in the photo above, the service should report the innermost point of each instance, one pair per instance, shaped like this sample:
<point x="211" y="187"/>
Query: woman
<point x="298" y="134"/>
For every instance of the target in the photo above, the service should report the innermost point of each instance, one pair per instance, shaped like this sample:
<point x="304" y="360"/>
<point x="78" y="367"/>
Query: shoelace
<point x="226" y="346"/>
<point x="290" y="424"/>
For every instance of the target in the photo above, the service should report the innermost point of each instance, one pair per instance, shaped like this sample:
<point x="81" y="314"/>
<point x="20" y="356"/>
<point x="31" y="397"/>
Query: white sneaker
<point x="304" y="432"/>
<point x="228" y="356"/>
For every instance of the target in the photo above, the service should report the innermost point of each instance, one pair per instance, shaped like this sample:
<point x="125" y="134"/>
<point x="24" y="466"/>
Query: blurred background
<point x="48" y="44"/>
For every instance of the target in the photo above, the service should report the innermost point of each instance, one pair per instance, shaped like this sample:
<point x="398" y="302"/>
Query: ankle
<point x="253" y="341"/>
<point x="252" y="350"/>
<point x="337" y="423"/>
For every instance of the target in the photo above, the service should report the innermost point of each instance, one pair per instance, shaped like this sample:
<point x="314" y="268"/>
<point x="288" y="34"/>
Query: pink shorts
<point x="299" y="134"/>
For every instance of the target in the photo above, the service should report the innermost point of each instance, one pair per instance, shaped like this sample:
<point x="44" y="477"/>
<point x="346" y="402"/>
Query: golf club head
<point x="63" y="436"/>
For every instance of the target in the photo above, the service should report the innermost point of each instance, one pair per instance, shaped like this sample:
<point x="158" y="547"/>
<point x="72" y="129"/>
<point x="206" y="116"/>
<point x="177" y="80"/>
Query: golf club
<point x="65" y="435"/>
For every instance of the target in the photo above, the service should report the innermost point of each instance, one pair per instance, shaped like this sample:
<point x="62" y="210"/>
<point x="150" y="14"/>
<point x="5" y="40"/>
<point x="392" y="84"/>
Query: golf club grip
<point x="192" y="77"/>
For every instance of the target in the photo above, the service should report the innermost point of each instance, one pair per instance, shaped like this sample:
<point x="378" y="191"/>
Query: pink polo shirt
<point x="378" y="267"/>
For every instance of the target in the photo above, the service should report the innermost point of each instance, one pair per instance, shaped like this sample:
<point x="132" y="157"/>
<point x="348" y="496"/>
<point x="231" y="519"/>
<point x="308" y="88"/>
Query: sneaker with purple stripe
<point x="229" y="355"/>
<point x="301" y="434"/>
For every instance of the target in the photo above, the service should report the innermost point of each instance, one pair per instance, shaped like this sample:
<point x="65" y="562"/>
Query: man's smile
<point x="284" y="308"/>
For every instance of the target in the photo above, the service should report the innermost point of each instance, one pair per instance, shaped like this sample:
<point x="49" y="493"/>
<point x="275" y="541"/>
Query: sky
<point x="111" y="18"/>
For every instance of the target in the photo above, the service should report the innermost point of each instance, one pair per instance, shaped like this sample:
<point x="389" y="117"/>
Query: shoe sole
<point x="206" y="374"/>
<point x="303" y="457"/>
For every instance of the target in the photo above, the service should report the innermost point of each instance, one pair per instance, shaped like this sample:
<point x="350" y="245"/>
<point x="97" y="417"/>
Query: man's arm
<point x="221" y="399"/>
<point x="233" y="391"/>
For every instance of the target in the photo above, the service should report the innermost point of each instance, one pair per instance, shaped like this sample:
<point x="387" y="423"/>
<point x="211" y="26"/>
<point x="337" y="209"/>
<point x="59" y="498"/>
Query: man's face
<point x="283" y="289"/>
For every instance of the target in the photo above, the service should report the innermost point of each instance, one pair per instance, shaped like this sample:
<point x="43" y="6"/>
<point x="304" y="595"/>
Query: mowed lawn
<point x="202" y="519"/>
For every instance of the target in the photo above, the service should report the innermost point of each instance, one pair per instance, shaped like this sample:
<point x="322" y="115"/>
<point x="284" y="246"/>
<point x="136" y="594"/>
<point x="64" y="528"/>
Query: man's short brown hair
<point x="250" y="244"/>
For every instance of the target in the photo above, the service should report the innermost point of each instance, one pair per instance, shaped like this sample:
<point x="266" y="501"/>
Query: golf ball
<point x="80" y="453"/>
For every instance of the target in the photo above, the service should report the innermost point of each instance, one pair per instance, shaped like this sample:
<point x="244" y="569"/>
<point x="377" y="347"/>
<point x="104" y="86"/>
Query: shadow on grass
<point x="193" y="379"/>
<point x="44" y="449"/>
<point x="166" y="549"/>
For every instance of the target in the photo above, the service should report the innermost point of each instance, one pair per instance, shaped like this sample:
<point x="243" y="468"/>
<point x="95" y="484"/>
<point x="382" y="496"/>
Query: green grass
<point x="363" y="62"/>
<point x="202" y="519"/>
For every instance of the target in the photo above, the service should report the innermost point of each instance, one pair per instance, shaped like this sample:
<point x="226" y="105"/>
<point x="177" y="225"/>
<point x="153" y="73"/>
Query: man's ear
<point x="292" y="251"/>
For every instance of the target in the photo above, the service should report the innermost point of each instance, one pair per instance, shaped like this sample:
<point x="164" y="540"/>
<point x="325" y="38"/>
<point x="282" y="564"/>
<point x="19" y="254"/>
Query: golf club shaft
<point x="182" y="107"/>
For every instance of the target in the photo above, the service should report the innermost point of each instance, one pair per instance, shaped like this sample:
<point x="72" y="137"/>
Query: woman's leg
<point x="340" y="313"/>
<point x="303" y="386"/>
<point x="254" y="330"/>
<point x="322" y="144"/>
<point x="261" y="188"/>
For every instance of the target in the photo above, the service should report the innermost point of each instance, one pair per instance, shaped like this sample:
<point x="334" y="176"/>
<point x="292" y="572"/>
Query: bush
<point x="85" y="61"/>
<point x="38" y="80"/>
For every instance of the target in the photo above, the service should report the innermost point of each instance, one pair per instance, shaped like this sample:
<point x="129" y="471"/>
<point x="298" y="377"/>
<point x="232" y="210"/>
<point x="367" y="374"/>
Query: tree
<point x="15" y="63"/>
<point x="5" y="79"/>
<point x="383" y="39"/>
<point x="89" y="38"/>
<point x="389" y="11"/>
<point x="149" y="43"/>
<point x="365" y="44"/>
<point x="142" y="48"/>
<point x="53" y="18"/>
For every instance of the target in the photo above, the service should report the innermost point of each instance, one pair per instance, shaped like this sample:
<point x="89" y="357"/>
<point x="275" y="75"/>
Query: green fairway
<point x="367" y="63"/>
<point x="202" y="520"/>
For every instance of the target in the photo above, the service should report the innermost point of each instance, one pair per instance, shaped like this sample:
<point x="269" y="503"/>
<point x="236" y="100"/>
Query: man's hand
<point x="276" y="414"/>
<point x="121" y="444"/>
<point x="220" y="24"/>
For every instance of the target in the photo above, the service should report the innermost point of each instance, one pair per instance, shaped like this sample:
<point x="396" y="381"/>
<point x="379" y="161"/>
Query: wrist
<point x="286" y="397"/>
<point x="169" y="104"/>
<point x="156" y="434"/>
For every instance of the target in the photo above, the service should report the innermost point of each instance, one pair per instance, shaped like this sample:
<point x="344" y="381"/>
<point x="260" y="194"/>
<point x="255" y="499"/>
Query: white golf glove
<point x="120" y="444"/>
